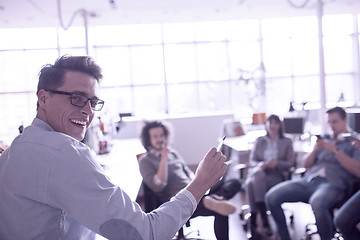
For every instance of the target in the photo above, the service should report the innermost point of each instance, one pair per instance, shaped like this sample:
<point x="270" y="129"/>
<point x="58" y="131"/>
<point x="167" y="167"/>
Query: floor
<point x="302" y="216"/>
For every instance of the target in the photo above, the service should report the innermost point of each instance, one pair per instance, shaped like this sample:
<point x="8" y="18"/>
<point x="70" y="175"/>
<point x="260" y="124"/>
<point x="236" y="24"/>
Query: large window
<point x="189" y="67"/>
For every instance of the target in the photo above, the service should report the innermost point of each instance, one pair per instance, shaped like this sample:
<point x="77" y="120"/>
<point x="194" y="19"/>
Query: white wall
<point x="192" y="136"/>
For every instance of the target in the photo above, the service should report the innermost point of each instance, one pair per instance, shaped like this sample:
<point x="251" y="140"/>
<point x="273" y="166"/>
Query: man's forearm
<point x="197" y="190"/>
<point x="349" y="163"/>
<point x="162" y="173"/>
<point x="309" y="160"/>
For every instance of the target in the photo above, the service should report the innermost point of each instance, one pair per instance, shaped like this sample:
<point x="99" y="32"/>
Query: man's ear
<point x="42" y="97"/>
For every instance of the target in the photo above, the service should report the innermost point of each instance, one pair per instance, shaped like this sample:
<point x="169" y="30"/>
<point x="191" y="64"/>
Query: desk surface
<point x="246" y="142"/>
<point x="303" y="146"/>
<point x="121" y="165"/>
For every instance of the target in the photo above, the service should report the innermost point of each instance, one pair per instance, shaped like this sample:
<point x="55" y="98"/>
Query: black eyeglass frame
<point x="98" y="105"/>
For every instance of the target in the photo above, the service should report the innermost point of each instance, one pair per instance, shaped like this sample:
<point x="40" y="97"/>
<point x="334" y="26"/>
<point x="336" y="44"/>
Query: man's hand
<point x="326" y="145"/>
<point x="318" y="145"/>
<point x="261" y="165"/>
<point x="272" y="163"/>
<point x="162" y="172"/>
<point x="209" y="171"/>
<point x="356" y="143"/>
<point x="164" y="152"/>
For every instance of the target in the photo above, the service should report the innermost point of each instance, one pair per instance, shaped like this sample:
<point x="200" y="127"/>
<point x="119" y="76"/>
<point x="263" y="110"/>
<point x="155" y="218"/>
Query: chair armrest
<point x="300" y="171"/>
<point x="240" y="166"/>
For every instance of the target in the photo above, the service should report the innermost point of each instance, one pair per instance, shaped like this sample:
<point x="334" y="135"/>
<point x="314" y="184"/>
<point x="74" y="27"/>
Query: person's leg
<point x="287" y="191"/>
<point x="217" y="204"/>
<point x="266" y="180"/>
<point x="221" y="223"/>
<point x="250" y="191"/>
<point x="250" y="195"/>
<point x="264" y="217"/>
<point x="322" y="202"/>
<point x="221" y="227"/>
<point x="348" y="217"/>
<point x="259" y="180"/>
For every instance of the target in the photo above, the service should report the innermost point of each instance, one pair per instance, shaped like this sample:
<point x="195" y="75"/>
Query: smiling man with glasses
<point x="52" y="187"/>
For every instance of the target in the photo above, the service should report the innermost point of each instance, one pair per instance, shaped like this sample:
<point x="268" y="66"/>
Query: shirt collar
<point x="40" y="123"/>
<point x="155" y="153"/>
<point x="268" y="138"/>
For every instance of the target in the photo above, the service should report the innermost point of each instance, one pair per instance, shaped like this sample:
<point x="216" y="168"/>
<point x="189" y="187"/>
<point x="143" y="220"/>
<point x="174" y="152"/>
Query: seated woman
<point x="270" y="159"/>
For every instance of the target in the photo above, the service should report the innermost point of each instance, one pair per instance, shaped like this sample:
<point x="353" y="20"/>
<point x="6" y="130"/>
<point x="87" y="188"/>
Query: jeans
<point x="348" y="217"/>
<point x="321" y="195"/>
<point x="221" y="223"/>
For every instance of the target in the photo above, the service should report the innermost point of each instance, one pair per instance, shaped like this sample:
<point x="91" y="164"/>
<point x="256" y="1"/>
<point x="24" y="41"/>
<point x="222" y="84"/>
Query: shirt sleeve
<point x="148" y="172"/>
<point x="253" y="158"/>
<point x="78" y="186"/>
<point x="286" y="161"/>
<point x="190" y="196"/>
<point x="186" y="168"/>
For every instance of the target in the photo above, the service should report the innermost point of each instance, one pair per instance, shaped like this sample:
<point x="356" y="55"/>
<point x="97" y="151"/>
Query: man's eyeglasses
<point x="79" y="100"/>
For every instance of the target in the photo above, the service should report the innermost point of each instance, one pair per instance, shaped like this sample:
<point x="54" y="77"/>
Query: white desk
<point x="244" y="142"/>
<point x="121" y="165"/>
<point x="303" y="146"/>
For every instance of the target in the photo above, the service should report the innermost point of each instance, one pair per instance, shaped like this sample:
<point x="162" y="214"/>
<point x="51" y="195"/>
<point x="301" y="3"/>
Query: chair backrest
<point x="231" y="128"/>
<point x="151" y="201"/>
<point x="138" y="156"/>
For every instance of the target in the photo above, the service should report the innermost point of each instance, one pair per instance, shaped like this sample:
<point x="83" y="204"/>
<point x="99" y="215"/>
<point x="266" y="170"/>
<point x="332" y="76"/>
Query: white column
<point x="356" y="59"/>
<point x="320" y="7"/>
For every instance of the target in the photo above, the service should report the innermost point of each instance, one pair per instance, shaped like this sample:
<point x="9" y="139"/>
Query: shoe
<point x="222" y="207"/>
<point x="217" y="197"/>
<point x="267" y="230"/>
<point x="251" y="232"/>
<point x="264" y="216"/>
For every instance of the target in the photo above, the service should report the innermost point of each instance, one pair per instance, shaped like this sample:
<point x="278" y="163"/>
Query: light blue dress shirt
<point x="52" y="188"/>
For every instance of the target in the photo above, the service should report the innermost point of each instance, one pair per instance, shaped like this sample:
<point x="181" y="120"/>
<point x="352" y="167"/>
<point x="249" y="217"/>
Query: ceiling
<point x="30" y="13"/>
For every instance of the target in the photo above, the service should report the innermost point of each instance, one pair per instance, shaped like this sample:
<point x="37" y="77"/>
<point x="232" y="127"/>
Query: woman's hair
<point x="277" y="120"/>
<point x="145" y="132"/>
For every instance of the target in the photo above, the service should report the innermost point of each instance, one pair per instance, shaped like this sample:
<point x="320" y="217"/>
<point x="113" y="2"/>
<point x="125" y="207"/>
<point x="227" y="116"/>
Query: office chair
<point x="230" y="128"/>
<point x="151" y="202"/>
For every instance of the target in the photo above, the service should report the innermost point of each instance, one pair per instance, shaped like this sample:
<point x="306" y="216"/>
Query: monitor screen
<point x="354" y="121"/>
<point x="294" y="125"/>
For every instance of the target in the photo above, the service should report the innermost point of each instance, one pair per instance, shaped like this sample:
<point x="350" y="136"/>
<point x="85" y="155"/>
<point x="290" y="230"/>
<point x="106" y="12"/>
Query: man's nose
<point x="87" y="108"/>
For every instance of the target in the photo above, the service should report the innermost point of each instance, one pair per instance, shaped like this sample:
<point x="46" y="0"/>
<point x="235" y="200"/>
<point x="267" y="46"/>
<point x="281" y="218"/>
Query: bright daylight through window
<point x="188" y="67"/>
